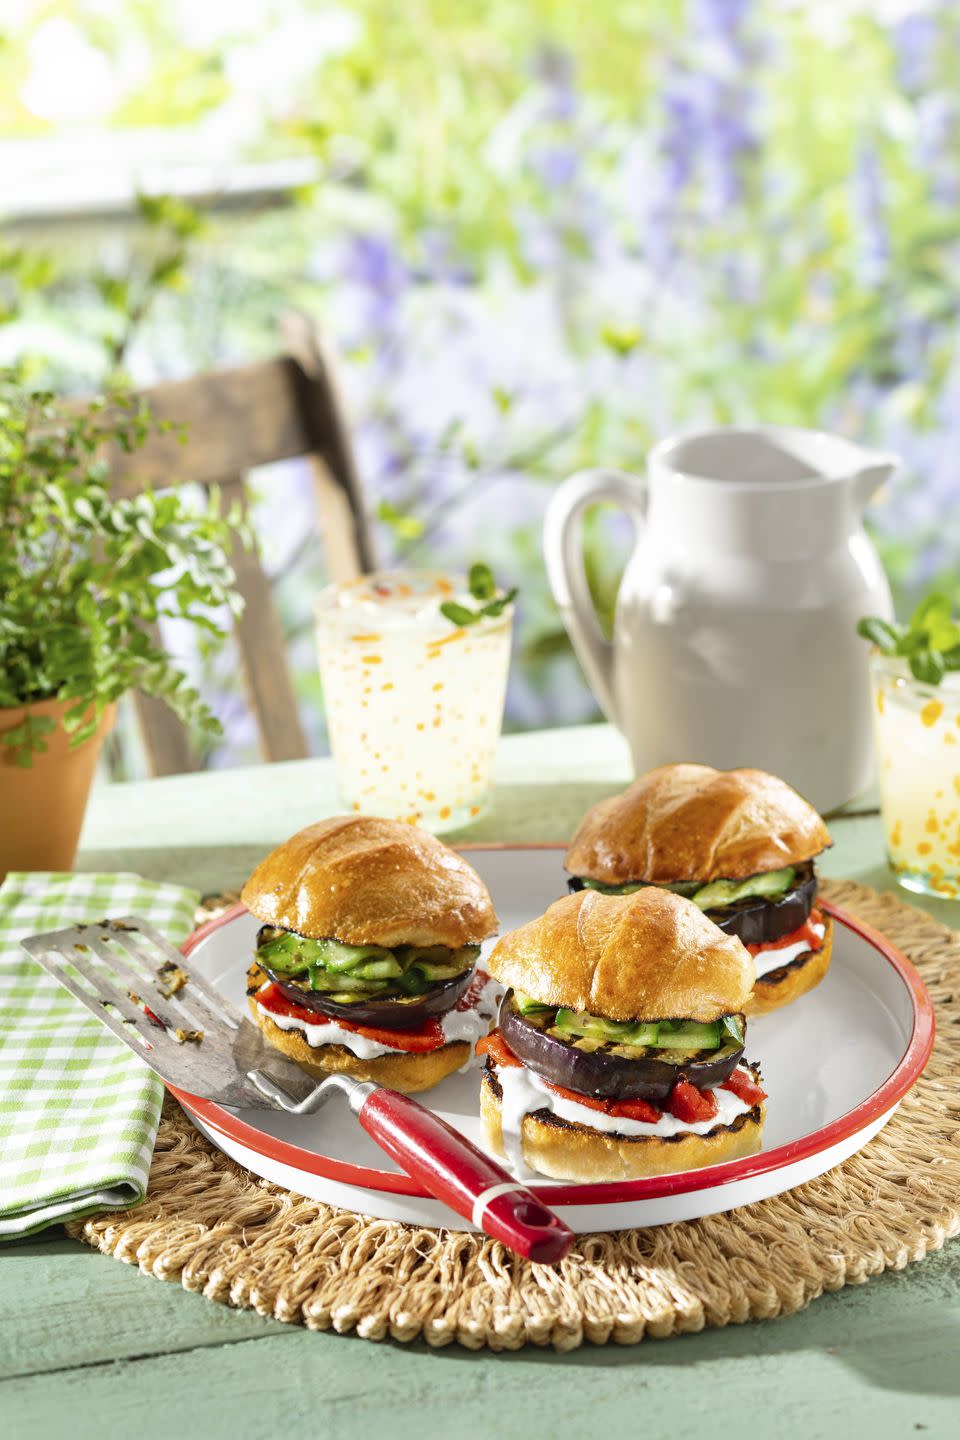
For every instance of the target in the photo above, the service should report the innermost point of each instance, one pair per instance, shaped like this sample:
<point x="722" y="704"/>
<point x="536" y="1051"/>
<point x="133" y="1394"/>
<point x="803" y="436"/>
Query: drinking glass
<point x="414" y="702"/>
<point x="917" y="732"/>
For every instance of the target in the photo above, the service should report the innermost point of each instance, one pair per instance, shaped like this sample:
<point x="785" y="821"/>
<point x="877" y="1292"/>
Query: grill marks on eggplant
<point x="609" y="1070"/>
<point x="397" y="1013"/>
<point x="384" y="1011"/>
<point x="755" y="920"/>
<point x="592" y="1045"/>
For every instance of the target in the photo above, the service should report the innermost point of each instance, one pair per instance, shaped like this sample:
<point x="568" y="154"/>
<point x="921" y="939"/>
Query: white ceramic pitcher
<point x="734" y="640"/>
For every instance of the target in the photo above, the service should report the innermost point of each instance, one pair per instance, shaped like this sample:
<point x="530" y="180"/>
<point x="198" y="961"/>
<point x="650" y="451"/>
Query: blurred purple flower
<point x="441" y="263"/>
<point x="555" y="166"/>
<point x="938" y="134"/>
<point x="371" y="260"/>
<point x="724" y="20"/>
<point x="682" y="127"/>
<point x="870" y="207"/>
<point x="728" y="142"/>
<point x="371" y="265"/>
<point x="914" y="40"/>
<point x="708" y="132"/>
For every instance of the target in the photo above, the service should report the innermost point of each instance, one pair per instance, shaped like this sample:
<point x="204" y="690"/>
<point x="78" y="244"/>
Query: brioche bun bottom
<point x="781" y="987"/>
<point x="401" y="1070"/>
<point x="565" y="1150"/>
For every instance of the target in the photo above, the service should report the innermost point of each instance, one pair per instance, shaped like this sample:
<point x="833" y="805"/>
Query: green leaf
<point x="406" y="527"/>
<point x="881" y="633"/>
<point x="480" y="582"/>
<point x="459" y="614"/>
<point x="622" y="342"/>
<point x="927" y="666"/>
<point x="497" y="607"/>
<point x="931" y="608"/>
<point x="171" y="213"/>
<point x="911" y="643"/>
<point x="27" y="739"/>
<point x="933" y="623"/>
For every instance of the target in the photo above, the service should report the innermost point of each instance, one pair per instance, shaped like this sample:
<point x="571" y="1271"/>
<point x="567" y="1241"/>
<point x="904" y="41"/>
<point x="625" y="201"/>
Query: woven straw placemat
<point x="247" y="1243"/>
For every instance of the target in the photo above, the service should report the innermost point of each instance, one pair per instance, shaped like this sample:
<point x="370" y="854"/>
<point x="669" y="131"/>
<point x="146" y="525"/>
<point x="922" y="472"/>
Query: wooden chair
<point x="236" y="420"/>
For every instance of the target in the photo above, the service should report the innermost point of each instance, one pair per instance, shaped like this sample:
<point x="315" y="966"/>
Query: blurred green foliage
<point x="541" y="235"/>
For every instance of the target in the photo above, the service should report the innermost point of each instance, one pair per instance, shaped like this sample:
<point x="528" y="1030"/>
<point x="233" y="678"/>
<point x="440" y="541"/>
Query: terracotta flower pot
<point x="42" y="806"/>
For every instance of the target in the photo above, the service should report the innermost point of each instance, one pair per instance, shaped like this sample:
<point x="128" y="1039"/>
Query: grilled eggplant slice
<point x="401" y="1013"/>
<point x="608" y="1069"/>
<point x="759" y="921"/>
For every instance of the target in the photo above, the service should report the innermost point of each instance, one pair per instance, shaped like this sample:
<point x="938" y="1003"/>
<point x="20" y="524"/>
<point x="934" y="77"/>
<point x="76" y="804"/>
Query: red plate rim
<point x="884" y="1098"/>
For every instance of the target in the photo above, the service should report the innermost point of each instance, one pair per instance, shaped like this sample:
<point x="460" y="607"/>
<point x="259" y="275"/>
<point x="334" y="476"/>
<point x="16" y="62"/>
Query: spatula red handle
<point x="463" y="1177"/>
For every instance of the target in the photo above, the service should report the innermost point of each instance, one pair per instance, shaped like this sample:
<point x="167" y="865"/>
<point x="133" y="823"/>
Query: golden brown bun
<point x="691" y="822"/>
<point x="371" y="882"/>
<point x="647" y="956"/>
<point x="802" y="975"/>
<point x="564" y="1150"/>
<point x="401" y="1071"/>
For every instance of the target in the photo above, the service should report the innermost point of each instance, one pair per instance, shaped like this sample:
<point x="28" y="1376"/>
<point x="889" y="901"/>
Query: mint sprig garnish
<point x="482" y="587"/>
<point x="929" y="642"/>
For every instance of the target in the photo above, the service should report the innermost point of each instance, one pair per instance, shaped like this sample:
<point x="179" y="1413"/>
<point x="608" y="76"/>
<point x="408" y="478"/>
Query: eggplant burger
<point x="740" y="844"/>
<point x="370" y="932"/>
<point x="619" y="1050"/>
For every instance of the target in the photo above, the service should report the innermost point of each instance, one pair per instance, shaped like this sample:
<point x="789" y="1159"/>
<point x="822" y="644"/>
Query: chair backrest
<point x="236" y="420"/>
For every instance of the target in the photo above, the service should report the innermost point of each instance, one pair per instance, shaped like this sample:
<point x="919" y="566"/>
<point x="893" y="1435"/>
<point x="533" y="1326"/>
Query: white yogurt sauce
<point x="766" y="960"/>
<point x="524" y="1092"/>
<point x="469" y="1024"/>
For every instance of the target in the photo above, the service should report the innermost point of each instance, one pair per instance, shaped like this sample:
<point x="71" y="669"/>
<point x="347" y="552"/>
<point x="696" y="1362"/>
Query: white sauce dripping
<point x="766" y="960"/>
<point x="468" y="1023"/>
<point x="524" y="1092"/>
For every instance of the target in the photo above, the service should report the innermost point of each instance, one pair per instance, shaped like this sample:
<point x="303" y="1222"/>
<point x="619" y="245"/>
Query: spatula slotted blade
<point x="141" y="988"/>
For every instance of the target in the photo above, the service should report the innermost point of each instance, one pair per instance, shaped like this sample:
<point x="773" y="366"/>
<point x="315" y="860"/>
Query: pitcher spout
<point x="876" y="469"/>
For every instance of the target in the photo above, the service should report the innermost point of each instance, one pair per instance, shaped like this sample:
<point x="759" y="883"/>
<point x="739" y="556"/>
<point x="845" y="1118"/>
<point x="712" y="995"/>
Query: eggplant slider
<point x="740" y="844"/>
<point x="619" y="1051"/>
<point x="370" y="932"/>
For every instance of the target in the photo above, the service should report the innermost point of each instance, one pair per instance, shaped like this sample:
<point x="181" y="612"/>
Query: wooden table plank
<point x="876" y="1358"/>
<point x="63" y="1305"/>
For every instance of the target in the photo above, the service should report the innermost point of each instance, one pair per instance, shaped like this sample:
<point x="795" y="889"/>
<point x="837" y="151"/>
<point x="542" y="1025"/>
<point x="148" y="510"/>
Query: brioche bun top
<point x="691" y="822"/>
<point x="366" y="881"/>
<point x="647" y="956"/>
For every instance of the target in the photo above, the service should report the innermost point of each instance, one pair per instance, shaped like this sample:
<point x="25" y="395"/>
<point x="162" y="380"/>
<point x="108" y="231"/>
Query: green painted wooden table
<point x="89" y="1347"/>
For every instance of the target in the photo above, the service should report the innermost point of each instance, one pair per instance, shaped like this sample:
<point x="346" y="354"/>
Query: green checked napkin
<point x="78" y="1111"/>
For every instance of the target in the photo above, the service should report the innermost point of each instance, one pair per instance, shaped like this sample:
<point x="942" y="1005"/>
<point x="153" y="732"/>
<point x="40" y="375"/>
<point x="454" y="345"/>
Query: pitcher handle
<point x="563" y="555"/>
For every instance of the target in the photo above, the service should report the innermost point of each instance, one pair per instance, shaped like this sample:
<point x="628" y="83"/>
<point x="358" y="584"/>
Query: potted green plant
<point x="83" y="575"/>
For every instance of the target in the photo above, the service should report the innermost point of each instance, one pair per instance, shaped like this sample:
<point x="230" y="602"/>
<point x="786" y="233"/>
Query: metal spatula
<point x="142" y="989"/>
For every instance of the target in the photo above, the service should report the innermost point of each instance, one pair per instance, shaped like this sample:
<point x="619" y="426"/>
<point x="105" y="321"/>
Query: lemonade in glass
<point x="414" y="702"/>
<point x="917" y="732"/>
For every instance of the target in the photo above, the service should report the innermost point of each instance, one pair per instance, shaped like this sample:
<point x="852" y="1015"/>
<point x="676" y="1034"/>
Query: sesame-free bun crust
<point x="401" y="1071"/>
<point x="647" y="956"/>
<point x="691" y="822"/>
<point x="781" y="987"/>
<point x="367" y="881"/>
<point x="564" y="1150"/>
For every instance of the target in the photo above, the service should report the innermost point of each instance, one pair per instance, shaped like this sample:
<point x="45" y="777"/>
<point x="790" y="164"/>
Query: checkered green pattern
<point x="78" y="1111"/>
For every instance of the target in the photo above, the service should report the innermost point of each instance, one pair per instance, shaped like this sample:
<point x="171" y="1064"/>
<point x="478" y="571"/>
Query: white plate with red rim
<point x="836" y="1064"/>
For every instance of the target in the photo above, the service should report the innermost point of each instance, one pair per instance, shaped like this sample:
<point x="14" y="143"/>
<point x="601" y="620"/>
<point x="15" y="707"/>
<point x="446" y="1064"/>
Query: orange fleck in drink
<point x="436" y="692"/>
<point x="918" y="768"/>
